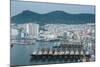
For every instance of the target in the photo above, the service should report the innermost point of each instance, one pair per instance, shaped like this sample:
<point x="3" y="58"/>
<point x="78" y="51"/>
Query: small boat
<point x="50" y="52"/>
<point x="67" y="52"/>
<point x="71" y="52"/>
<point x="40" y="52"/>
<point x="34" y="53"/>
<point x="11" y="45"/>
<point x="81" y="52"/>
<point x="55" y="53"/>
<point x="76" y="52"/>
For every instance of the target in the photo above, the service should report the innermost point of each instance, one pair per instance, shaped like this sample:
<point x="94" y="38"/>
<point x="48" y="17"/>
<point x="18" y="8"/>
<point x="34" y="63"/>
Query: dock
<point x="63" y="52"/>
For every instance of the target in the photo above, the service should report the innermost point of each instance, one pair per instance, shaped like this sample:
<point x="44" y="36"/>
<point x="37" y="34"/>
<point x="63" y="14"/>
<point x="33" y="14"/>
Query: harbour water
<point x="21" y="54"/>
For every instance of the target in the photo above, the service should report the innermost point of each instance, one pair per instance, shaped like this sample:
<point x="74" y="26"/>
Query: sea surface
<point x="21" y="54"/>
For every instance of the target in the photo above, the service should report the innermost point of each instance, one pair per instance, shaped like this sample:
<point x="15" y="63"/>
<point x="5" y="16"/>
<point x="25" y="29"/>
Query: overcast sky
<point x="18" y="7"/>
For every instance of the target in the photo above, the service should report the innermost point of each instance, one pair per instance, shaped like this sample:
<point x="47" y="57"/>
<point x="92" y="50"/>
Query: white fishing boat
<point x="66" y="52"/>
<point x="45" y="52"/>
<point x="61" y="53"/>
<point x="40" y="52"/>
<point x="81" y="53"/>
<point x="50" y="52"/>
<point x="34" y="53"/>
<point x="77" y="52"/>
<point x="56" y="53"/>
<point x="71" y="52"/>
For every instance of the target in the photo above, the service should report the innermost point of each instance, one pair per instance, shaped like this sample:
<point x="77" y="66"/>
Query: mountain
<point x="52" y="17"/>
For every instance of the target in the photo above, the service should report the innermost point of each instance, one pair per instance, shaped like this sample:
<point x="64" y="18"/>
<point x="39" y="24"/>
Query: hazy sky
<point x="18" y="7"/>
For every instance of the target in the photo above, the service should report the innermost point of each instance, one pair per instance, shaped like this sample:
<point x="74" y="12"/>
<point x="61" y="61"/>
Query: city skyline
<point x="42" y="8"/>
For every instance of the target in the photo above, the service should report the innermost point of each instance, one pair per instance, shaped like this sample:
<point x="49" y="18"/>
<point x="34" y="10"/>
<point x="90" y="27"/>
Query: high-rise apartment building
<point x="31" y="29"/>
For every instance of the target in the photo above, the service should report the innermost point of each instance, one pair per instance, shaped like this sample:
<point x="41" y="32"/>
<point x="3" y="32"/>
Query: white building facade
<point x="30" y="29"/>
